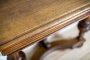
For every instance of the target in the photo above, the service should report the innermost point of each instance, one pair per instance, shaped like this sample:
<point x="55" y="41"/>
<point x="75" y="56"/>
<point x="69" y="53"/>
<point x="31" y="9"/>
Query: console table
<point x="24" y="22"/>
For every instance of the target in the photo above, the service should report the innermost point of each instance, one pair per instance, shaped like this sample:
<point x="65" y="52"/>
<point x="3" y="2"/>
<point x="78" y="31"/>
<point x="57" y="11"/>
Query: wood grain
<point x="25" y="22"/>
<point x="19" y="17"/>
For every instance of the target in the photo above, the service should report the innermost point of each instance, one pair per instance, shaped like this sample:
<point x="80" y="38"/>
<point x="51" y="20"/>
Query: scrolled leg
<point x="17" y="56"/>
<point x="45" y="43"/>
<point x="83" y="27"/>
<point x="14" y="56"/>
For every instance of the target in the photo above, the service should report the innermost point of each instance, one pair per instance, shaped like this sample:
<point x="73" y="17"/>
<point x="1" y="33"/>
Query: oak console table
<point x="24" y="22"/>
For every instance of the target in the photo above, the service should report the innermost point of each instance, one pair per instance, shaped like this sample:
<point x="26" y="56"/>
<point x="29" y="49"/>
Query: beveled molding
<point x="45" y="30"/>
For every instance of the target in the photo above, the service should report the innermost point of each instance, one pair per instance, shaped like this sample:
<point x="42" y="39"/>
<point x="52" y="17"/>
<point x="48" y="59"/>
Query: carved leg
<point x="83" y="27"/>
<point x="14" y="56"/>
<point x="17" y="56"/>
<point x="45" y="43"/>
<point x="22" y="55"/>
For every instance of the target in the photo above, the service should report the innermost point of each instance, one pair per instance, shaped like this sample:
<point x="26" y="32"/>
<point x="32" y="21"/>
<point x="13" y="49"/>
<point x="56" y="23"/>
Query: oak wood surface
<point x="23" y="22"/>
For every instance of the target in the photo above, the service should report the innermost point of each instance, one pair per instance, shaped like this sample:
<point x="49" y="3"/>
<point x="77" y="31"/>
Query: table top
<point x="23" y="22"/>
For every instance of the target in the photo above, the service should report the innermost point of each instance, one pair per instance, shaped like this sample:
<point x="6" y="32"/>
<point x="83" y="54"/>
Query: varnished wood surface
<point x="18" y="17"/>
<point x="82" y="53"/>
<point x="23" y="22"/>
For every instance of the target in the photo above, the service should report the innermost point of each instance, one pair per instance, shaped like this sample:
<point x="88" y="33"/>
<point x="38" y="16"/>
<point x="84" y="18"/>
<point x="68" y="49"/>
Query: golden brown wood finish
<point x="83" y="27"/>
<point x="17" y="56"/>
<point x="14" y="56"/>
<point x="25" y="22"/>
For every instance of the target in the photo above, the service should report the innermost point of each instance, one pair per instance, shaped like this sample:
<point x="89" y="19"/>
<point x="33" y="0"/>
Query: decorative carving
<point x="83" y="27"/>
<point x="17" y="56"/>
<point x="45" y="43"/>
<point x="14" y="56"/>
